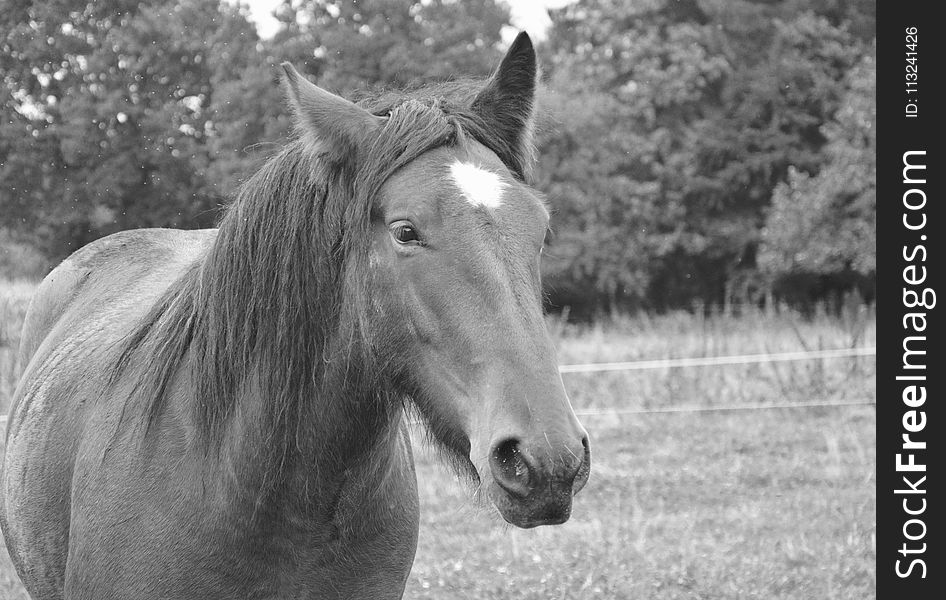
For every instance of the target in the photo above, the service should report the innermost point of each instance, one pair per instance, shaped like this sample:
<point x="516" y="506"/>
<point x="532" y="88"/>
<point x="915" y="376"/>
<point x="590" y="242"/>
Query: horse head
<point x="453" y="261"/>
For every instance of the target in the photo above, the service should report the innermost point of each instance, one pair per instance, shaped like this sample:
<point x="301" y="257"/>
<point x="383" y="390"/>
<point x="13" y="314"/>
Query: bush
<point x="19" y="260"/>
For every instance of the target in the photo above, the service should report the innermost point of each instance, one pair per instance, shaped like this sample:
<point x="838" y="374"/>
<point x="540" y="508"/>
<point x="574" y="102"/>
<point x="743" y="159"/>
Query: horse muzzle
<point x="531" y="489"/>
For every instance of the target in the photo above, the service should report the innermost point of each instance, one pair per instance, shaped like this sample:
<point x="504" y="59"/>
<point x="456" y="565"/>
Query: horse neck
<point x="338" y="434"/>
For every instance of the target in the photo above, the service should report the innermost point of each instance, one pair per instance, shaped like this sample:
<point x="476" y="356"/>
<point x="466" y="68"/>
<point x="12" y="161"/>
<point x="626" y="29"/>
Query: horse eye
<point x="405" y="233"/>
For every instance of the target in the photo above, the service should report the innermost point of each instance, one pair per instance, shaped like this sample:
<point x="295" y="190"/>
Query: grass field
<point x="769" y="503"/>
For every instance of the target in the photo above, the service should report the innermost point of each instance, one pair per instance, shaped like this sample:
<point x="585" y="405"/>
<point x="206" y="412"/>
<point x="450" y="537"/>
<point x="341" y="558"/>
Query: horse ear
<point x="323" y="115"/>
<point x="508" y="100"/>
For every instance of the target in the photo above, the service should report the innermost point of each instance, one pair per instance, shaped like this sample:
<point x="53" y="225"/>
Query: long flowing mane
<point x="283" y="294"/>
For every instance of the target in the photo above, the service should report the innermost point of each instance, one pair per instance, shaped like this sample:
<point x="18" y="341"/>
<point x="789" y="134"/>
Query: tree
<point x="824" y="225"/>
<point x="106" y="123"/>
<point x="350" y="45"/>
<point x="638" y="79"/>
<point x="696" y="111"/>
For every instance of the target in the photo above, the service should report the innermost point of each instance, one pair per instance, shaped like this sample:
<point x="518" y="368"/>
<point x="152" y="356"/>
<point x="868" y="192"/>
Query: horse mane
<point x="454" y="98"/>
<point x="281" y="299"/>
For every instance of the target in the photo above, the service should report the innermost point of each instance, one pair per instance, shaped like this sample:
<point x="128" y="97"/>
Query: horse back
<point x="77" y="317"/>
<point x="129" y="267"/>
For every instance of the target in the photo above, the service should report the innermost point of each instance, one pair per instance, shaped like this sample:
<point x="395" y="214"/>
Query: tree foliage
<point x="106" y="121"/>
<point x="692" y="113"/>
<point x="824" y="225"/>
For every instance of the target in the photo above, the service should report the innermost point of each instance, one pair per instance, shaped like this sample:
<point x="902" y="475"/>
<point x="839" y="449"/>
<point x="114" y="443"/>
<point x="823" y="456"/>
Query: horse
<point x="224" y="413"/>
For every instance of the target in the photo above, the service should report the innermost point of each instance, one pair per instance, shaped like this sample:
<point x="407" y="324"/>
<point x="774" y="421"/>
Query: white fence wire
<point x="708" y="361"/>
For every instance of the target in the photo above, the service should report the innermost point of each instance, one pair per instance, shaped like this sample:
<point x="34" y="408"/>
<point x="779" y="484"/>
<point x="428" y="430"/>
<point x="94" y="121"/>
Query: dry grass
<point x="684" y="335"/>
<point x="768" y="504"/>
<point x="774" y="503"/>
<point x="14" y="300"/>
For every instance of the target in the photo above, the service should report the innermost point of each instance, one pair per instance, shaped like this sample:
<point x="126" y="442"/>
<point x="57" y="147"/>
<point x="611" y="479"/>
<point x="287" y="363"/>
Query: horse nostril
<point x="510" y="467"/>
<point x="580" y="476"/>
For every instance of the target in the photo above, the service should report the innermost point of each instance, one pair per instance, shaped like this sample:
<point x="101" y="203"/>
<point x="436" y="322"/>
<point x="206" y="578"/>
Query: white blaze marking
<point x="479" y="186"/>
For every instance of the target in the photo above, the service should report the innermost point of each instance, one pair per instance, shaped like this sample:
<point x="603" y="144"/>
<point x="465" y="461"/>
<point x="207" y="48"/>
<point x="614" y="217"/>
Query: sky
<point x="528" y="15"/>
